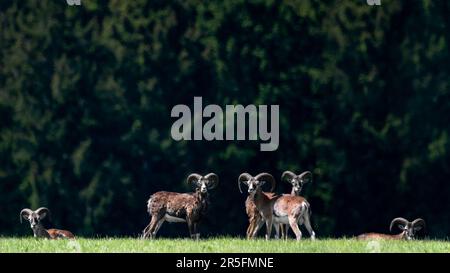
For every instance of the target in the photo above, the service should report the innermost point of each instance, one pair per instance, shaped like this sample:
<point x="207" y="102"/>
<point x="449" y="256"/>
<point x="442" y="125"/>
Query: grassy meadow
<point x="218" y="245"/>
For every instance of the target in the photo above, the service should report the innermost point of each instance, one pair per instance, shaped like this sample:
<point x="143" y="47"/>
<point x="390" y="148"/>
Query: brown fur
<point x="59" y="233"/>
<point x="189" y="206"/>
<point x="284" y="204"/>
<point x="291" y="205"/>
<point x="287" y="203"/>
<point x="254" y="216"/>
<point x="264" y="204"/>
<point x="377" y="236"/>
<point x="179" y="205"/>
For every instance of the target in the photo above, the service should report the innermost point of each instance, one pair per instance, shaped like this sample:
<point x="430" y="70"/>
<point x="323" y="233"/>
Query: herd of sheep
<point x="278" y="211"/>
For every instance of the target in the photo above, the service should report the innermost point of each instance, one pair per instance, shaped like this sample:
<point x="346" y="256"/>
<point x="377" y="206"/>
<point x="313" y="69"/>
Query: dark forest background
<point x="86" y="94"/>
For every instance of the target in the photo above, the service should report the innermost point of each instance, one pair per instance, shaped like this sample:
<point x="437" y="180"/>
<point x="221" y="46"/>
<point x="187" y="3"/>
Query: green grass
<point x="222" y="244"/>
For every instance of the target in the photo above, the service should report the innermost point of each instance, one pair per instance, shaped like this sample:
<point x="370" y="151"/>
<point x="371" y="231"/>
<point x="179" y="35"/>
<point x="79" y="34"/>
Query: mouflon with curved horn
<point x="297" y="182"/>
<point x="35" y="218"/>
<point x="181" y="207"/>
<point x="279" y="209"/>
<point x="409" y="230"/>
<point x="254" y="215"/>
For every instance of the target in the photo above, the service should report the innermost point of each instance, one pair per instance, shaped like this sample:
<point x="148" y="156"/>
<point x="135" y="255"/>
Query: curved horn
<point x="213" y="180"/>
<point x="25" y="212"/>
<point x="243" y="178"/>
<point x="267" y="177"/>
<point x="193" y="177"/>
<point x="288" y="176"/>
<point x="398" y="220"/>
<point x="418" y="222"/>
<point x="305" y="177"/>
<point x="42" y="212"/>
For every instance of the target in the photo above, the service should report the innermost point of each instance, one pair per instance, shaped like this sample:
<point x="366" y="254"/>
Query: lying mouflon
<point x="35" y="217"/>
